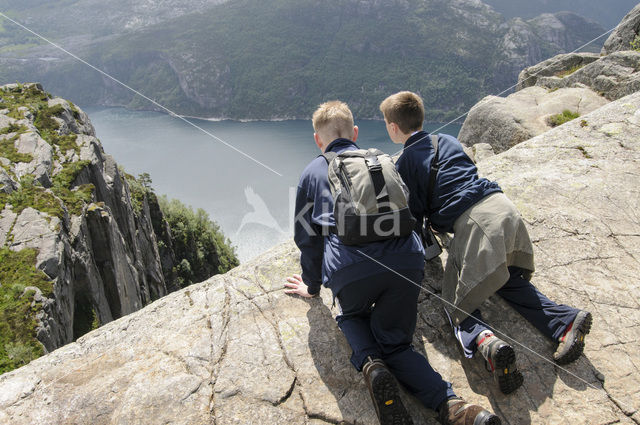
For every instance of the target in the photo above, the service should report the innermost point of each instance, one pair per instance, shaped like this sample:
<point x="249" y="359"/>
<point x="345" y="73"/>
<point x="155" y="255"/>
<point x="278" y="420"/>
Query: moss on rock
<point x="565" y="116"/>
<point x="19" y="308"/>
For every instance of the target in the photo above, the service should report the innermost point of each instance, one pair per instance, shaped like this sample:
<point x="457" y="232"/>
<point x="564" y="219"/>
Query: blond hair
<point x="405" y="109"/>
<point x="333" y="120"/>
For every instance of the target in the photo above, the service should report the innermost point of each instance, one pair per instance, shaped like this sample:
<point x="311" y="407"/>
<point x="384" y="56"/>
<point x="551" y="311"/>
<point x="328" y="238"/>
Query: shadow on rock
<point x="534" y="354"/>
<point x="331" y="353"/>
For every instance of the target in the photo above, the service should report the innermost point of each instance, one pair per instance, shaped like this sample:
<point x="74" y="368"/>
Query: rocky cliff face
<point x="614" y="74"/>
<point x="63" y="197"/>
<point x="577" y="82"/>
<point x="236" y="350"/>
<point x="625" y="32"/>
<point x="527" y="42"/>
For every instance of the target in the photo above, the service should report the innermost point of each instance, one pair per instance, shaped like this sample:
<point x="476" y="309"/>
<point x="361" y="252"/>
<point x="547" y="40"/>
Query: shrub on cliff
<point x="200" y="248"/>
<point x="20" y="282"/>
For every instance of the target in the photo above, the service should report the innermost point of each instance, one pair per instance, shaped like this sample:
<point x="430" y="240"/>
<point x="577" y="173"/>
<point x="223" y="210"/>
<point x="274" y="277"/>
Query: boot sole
<point x="489" y="419"/>
<point x="505" y="371"/>
<point x="390" y="407"/>
<point x="577" y="348"/>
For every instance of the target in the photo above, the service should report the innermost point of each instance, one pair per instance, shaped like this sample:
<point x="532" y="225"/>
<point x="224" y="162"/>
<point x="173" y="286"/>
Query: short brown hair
<point x="333" y="120"/>
<point x="405" y="109"/>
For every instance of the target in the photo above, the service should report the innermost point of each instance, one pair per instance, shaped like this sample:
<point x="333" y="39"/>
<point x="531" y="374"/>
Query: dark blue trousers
<point x="549" y="318"/>
<point x="378" y="318"/>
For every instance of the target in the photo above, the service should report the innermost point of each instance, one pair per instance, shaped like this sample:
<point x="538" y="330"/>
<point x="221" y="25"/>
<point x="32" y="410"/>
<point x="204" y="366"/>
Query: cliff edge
<point x="236" y="350"/>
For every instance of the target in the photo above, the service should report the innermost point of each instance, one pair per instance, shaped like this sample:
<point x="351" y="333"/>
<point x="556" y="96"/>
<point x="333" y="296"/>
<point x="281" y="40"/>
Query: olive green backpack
<point x="370" y="198"/>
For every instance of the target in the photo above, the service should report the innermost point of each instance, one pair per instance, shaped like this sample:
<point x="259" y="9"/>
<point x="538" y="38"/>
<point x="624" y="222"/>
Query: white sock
<point x="482" y="335"/>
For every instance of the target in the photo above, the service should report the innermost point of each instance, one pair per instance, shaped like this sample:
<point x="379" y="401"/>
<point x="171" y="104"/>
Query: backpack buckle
<point x="372" y="163"/>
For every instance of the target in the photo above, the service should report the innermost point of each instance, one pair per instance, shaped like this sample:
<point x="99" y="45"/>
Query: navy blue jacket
<point x="457" y="187"/>
<point x="326" y="260"/>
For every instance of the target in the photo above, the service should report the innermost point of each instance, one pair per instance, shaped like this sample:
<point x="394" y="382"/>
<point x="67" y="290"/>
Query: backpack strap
<point x="328" y="156"/>
<point x="379" y="184"/>
<point x="433" y="172"/>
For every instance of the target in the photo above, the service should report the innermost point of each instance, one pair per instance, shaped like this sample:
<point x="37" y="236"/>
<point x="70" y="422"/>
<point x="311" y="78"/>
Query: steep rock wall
<point x="101" y="257"/>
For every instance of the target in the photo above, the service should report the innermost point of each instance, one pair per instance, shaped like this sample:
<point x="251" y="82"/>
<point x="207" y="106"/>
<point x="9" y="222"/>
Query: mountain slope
<point x="607" y="13"/>
<point x="279" y="59"/>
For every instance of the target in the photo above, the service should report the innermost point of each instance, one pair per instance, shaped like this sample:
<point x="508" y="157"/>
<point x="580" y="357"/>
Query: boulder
<point x="555" y="66"/>
<point x="236" y="350"/>
<point x="613" y="76"/>
<point x="5" y="121"/>
<point x="505" y="122"/>
<point x="624" y="34"/>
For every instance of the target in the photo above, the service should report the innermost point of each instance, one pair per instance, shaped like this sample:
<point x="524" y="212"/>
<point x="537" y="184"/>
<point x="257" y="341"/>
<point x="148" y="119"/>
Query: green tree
<point x="200" y="248"/>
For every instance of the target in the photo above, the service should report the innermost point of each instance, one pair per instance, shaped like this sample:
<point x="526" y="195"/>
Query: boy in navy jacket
<point x="377" y="306"/>
<point x="490" y="251"/>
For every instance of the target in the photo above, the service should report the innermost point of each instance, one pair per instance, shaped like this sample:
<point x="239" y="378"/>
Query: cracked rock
<point x="235" y="349"/>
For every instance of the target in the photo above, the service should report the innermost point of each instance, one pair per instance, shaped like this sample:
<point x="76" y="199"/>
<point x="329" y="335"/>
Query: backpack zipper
<point x="346" y="183"/>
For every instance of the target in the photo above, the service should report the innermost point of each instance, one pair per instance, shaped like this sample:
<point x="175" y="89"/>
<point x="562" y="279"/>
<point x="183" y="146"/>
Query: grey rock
<point x="236" y="350"/>
<point x="5" y="121"/>
<point x="35" y="229"/>
<point x="526" y="43"/>
<point x="40" y="167"/>
<point x="478" y="152"/>
<point x="7" y="185"/>
<point x="614" y="76"/>
<point x="68" y="121"/>
<point x="505" y="122"/>
<point x="624" y="34"/>
<point x="481" y="151"/>
<point x="554" y="66"/>
<point x="7" y="219"/>
<point x="26" y="113"/>
<point x="37" y="297"/>
<point x="11" y="86"/>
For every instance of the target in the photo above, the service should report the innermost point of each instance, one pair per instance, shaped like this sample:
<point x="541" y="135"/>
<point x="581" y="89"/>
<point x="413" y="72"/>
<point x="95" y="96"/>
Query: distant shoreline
<point x="217" y="119"/>
<point x="240" y="120"/>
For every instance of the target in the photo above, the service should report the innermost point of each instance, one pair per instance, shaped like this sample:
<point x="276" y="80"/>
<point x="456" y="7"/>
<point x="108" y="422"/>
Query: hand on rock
<point x="298" y="287"/>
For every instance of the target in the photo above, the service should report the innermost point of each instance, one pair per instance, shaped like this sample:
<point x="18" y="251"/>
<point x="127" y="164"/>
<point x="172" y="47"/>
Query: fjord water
<point x="252" y="205"/>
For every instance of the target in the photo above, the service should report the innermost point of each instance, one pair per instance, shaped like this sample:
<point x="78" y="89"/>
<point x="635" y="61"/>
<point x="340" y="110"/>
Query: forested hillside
<point x="278" y="59"/>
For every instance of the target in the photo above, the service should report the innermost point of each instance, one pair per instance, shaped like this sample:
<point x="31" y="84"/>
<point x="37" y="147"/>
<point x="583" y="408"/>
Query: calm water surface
<point x="252" y="205"/>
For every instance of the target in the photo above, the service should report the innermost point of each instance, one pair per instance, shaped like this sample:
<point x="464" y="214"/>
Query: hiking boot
<point x="456" y="411"/>
<point x="501" y="360"/>
<point x="385" y="394"/>
<point x="571" y="344"/>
